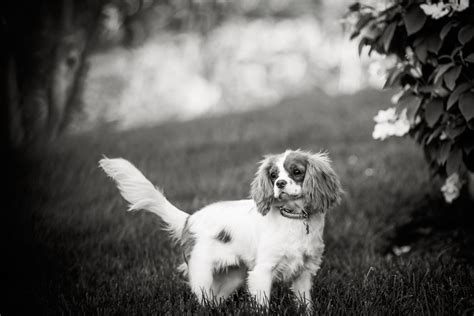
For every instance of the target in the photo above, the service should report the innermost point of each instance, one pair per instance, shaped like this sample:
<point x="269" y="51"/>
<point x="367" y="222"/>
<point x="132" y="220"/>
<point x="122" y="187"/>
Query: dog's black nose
<point x="281" y="184"/>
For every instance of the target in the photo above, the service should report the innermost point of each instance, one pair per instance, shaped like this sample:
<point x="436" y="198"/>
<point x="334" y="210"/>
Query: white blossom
<point x="452" y="188"/>
<point x="380" y="65"/>
<point x="416" y="72"/>
<point x="398" y="251"/>
<point x="459" y="5"/>
<point x="385" y="115"/>
<point x="389" y="123"/>
<point x="440" y="9"/>
<point x="435" y="10"/>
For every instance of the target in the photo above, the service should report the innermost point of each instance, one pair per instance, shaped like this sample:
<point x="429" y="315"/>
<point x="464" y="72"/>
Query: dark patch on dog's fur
<point x="224" y="236"/>
<point x="273" y="170"/>
<point x="306" y="258"/>
<point x="188" y="241"/>
<point x="295" y="161"/>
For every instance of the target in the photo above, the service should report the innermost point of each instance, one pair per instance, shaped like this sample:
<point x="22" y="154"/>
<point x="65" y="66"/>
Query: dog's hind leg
<point x="227" y="281"/>
<point x="200" y="278"/>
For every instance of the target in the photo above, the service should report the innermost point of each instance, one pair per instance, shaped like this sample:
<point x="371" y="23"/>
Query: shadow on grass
<point x="436" y="227"/>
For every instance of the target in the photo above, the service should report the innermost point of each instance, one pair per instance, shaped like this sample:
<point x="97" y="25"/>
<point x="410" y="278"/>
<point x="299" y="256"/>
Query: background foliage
<point x="75" y="65"/>
<point x="434" y="49"/>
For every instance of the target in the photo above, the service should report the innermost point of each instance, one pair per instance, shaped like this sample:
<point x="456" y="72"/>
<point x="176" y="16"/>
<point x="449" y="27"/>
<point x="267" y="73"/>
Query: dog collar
<point x="304" y="215"/>
<point x="289" y="214"/>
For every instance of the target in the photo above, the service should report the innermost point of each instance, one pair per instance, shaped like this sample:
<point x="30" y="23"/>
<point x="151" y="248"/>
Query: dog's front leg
<point x="260" y="284"/>
<point x="301" y="287"/>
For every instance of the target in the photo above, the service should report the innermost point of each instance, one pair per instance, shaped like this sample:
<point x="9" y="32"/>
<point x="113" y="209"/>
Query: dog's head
<point x="296" y="175"/>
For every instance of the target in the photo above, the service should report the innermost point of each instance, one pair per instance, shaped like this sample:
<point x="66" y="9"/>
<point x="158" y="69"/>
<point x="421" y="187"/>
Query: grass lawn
<point x="74" y="249"/>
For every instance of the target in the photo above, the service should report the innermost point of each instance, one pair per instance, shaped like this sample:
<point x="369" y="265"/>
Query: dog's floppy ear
<point x="321" y="186"/>
<point x="261" y="189"/>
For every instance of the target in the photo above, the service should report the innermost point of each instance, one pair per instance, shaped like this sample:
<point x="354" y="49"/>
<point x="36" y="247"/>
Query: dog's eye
<point x="297" y="172"/>
<point x="273" y="175"/>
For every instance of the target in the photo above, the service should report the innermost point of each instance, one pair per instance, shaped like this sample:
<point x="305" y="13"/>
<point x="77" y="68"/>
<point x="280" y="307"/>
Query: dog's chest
<point x="289" y="266"/>
<point x="296" y="248"/>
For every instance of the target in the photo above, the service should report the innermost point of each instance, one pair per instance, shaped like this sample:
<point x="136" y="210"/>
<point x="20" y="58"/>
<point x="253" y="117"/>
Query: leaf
<point x="354" y="7"/>
<point x="433" y="43"/>
<point x="470" y="58"/>
<point x="454" y="97"/>
<point x="362" y="43"/>
<point x="454" y="162"/>
<point x="372" y="31"/>
<point x="363" y="20"/>
<point x="354" y="34"/>
<point x="421" y="52"/>
<point x="441" y="70"/>
<point x="451" y="76"/>
<point x="417" y="41"/>
<point x="433" y="61"/>
<point x="443" y="152"/>
<point x="468" y="144"/>
<point x="455" y="126"/>
<point x="446" y="28"/>
<point x="470" y="125"/>
<point x="401" y="95"/>
<point x="435" y="134"/>
<point x="387" y="35"/>
<point x="433" y="110"/>
<point x="393" y="77"/>
<point x="455" y="51"/>
<point x="427" y="89"/>
<point x="466" y="105"/>
<point x="412" y="104"/>
<point x="372" y="47"/>
<point x="439" y="90"/>
<point x="466" y="34"/>
<point x="454" y="131"/>
<point x="414" y="19"/>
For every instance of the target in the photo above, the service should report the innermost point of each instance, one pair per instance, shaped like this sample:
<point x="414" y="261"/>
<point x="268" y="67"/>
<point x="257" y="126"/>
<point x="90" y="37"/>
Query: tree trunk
<point x="45" y="64"/>
<point x="87" y="39"/>
<point x="68" y="60"/>
<point x="15" y="131"/>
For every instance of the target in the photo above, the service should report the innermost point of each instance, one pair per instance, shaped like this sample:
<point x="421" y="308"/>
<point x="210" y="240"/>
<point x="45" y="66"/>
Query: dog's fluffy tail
<point x="142" y="195"/>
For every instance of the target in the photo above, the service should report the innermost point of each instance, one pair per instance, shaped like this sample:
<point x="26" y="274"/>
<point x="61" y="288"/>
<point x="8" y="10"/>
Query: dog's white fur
<point x="256" y="244"/>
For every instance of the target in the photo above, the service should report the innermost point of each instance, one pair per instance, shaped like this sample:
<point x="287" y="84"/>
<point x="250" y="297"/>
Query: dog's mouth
<point x="283" y="196"/>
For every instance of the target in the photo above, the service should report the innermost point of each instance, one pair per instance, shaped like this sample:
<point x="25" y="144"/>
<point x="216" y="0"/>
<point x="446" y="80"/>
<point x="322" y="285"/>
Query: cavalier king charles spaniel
<point x="275" y="236"/>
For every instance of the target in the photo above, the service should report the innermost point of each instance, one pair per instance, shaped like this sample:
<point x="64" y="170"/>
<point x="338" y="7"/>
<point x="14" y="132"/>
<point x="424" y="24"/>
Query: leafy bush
<point x="432" y="48"/>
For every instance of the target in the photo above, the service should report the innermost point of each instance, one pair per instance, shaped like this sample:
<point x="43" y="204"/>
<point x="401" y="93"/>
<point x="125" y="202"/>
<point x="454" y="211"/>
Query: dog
<point x="277" y="235"/>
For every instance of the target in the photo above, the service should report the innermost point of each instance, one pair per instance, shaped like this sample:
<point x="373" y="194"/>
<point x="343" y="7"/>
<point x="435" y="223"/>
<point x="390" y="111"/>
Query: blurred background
<point x="194" y="93"/>
<point x="76" y="65"/>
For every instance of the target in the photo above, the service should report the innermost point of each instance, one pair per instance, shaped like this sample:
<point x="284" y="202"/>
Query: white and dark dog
<point x="276" y="235"/>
